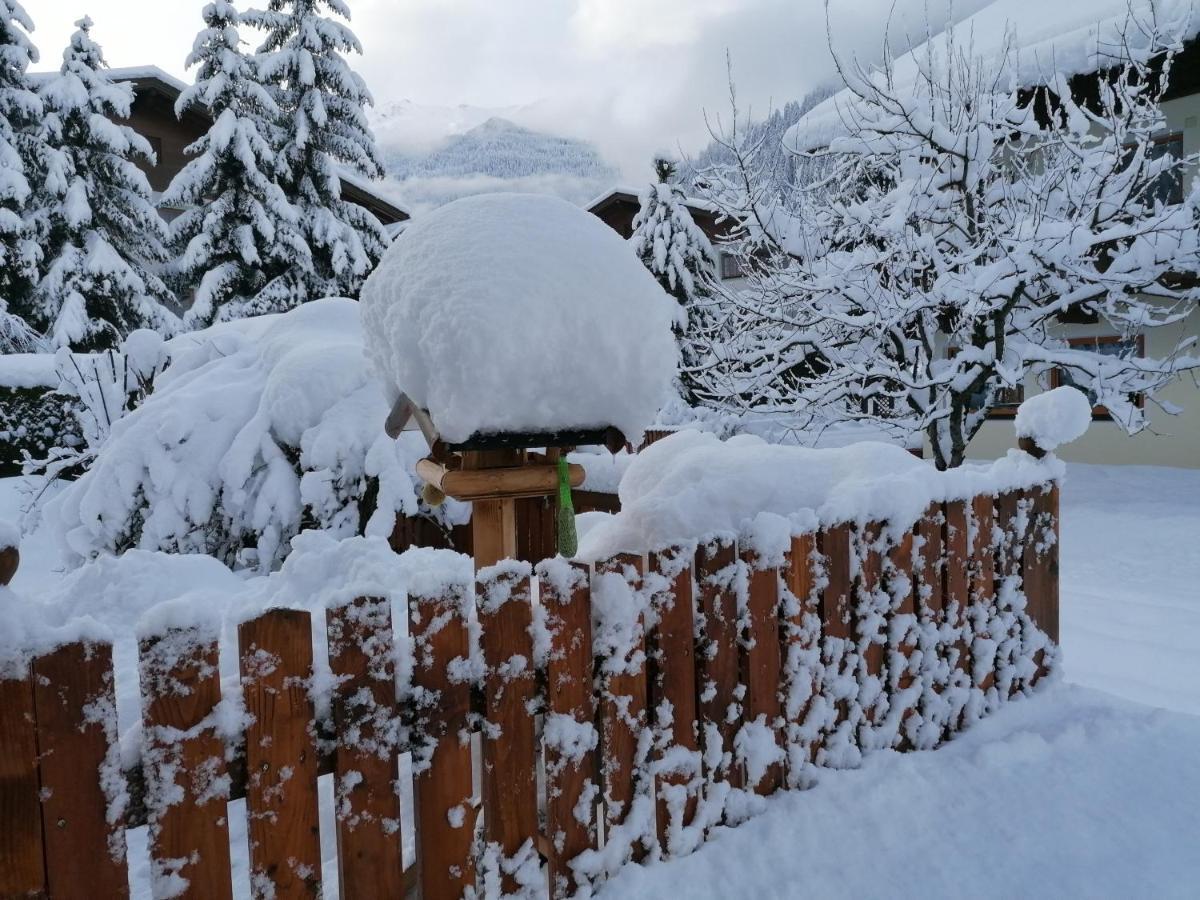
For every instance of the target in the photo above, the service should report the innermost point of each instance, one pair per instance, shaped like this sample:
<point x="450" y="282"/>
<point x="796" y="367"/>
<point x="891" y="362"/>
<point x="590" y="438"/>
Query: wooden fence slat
<point x="1009" y="557"/>
<point x="870" y="582"/>
<point x="185" y="756"/>
<point x="276" y="662"/>
<point x="623" y="696"/>
<point x="931" y="591"/>
<point x="1040" y="567"/>
<point x="983" y="573"/>
<point x="801" y="634"/>
<point x="675" y="675"/>
<point x="762" y="666"/>
<point x="837" y="604"/>
<point x="570" y="776"/>
<point x="510" y="801"/>
<point x="23" y="872"/>
<point x="718" y="656"/>
<point x="957" y="581"/>
<point x="901" y="583"/>
<point x="76" y="735"/>
<point x="370" y="859"/>
<point x="442" y="786"/>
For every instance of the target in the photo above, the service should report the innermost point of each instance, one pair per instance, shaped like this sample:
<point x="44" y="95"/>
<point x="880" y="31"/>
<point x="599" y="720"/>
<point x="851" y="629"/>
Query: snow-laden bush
<point x="256" y="430"/>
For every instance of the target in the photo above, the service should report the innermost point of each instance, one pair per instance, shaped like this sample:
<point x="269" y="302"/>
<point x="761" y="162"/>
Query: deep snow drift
<point x="595" y="346"/>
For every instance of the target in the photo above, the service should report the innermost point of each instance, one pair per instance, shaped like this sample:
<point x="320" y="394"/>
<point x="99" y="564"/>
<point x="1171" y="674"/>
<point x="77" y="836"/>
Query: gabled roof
<point x="355" y="187"/>
<point x="1060" y="37"/>
<point x="626" y="194"/>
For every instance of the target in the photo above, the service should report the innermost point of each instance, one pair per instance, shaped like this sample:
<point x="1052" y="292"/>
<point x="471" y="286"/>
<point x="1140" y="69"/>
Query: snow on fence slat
<point x="183" y="764"/>
<point x="563" y="720"/>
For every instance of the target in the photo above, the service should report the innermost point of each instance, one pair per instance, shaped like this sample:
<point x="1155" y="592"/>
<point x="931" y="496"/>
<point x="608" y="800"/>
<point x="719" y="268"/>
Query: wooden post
<point x="762" y="666"/>
<point x="801" y="635"/>
<point x="181" y="687"/>
<point x="571" y="777"/>
<point x="77" y="733"/>
<point x="370" y="862"/>
<point x="23" y="868"/>
<point x="983" y="576"/>
<point x="719" y="710"/>
<point x="493" y="521"/>
<point x="276" y="660"/>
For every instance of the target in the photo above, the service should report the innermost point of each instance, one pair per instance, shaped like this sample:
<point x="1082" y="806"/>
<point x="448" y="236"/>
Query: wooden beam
<point x="506" y="482"/>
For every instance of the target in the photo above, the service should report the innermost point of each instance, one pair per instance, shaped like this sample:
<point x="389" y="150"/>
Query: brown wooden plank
<point x="570" y="776"/>
<point x="957" y="581"/>
<point x="901" y="584"/>
<point x="623" y="695"/>
<point x="77" y="736"/>
<point x="1039" y="567"/>
<point x="718" y="665"/>
<point x="983" y="573"/>
<point x="870" y="582"/>
<point x="370" y="860"/>
<point x="184" y="756"/>
<point x="442" y="786"/>
<point x="1009" y="557"/>
<point x="276" y="661"/>
<point x="931" y="590"/>
<point x="23" y="872"/>
<point x="673" y="643"/>
<point x="801" y="635"/>
<point x="510" y="802"/>
<point x="762" y="665"/>
<point x="838" y="603"/>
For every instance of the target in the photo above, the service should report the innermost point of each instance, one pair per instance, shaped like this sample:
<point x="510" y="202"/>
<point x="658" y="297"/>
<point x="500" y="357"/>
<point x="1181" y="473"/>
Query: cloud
<point x="630" y="75"/>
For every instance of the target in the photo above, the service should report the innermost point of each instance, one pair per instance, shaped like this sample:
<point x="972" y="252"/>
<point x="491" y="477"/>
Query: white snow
<point x="1072" y="792"/>
<point x="1053" y="418"/>
<point x="256" y="426"/>
<point x="1066" y="37"/>
<point x="516" y="312"/>
<point x="28" y="370"/>
<point x="692" y="485"/>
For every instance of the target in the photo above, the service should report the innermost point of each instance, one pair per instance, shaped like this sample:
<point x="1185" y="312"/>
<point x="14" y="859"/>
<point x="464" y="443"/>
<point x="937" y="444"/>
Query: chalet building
<point x="153" y="116"/>
<point x="618" y="206"/>
<point x="1169" y="440"/>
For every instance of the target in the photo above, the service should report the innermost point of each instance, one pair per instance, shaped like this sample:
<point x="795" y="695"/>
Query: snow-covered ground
<point x="1087" y="790"/>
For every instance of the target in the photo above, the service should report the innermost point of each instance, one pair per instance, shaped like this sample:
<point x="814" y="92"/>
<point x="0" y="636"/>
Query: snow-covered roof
<point x="1067" y="37"/>
<point x="519" y="313"/>
<point x="621" y="192"/>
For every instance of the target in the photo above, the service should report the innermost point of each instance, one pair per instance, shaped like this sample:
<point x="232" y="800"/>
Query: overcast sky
<point x="632" y="75"/>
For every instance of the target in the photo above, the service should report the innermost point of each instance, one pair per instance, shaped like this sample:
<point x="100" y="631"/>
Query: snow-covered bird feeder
<point x="507" y="323"/>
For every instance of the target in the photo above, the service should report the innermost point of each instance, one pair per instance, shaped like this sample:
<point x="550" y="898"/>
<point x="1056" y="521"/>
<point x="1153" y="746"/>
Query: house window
<point x="1169" y="187"/>
<point x="731" y="265"/>
<point x="1004" y="401"/>
<point x="1105" y="345"/>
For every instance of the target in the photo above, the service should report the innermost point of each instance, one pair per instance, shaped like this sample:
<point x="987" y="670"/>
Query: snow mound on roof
<point x="692" y="486"/>
<point x="1054" y="418"/>
<point x="1068" y="37"/>
<point x="519" y="312"/>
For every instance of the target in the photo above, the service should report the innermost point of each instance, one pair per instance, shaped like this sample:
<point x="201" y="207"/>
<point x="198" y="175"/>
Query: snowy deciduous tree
<point x="103" y="236"/>
<point x="19" y="110"/>
<point x="238" y="246"/>
<point x="958" y="221"/>
<point x="679" y="255"/>
<point x="322" y="125"/>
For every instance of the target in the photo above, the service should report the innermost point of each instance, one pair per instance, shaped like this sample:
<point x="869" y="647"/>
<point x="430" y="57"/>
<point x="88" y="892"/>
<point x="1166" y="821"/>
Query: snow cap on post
<point x="519" y="313"/>
<point x="1053" y="418"/>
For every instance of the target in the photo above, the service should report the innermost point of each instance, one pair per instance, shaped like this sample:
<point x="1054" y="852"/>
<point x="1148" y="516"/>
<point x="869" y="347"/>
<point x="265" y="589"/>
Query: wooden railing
<point x="617" y="712"/>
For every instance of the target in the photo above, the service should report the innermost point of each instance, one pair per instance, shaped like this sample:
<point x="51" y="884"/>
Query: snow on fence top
<point x="692" y="486"/>
<point x="515" y="312"/>
<point x="1069" y="37"/>
<point x="1054" y="418"/>
<point x="28" y="370"/>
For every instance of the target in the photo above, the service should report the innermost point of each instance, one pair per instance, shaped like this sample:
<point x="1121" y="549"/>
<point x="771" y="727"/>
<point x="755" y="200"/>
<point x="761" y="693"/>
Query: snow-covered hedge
<point x="257" y="428"/>
<point x="34" y="418"/>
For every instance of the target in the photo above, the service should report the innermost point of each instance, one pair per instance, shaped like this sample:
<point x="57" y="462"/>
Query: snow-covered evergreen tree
<point x="957" y="222"/>
<point x="20" y="109"/>
<point x="671" y="245"/>
<point x="238" y="248"/>
<point x="102" y="234"/>
<point x="322" y="126"/>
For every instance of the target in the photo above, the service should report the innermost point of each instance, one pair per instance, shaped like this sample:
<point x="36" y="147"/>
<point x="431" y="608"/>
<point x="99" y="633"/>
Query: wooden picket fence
<point x="537" y="768"/>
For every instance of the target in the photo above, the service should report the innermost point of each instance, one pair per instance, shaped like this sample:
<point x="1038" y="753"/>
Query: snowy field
<point x="1088" y="790"/>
